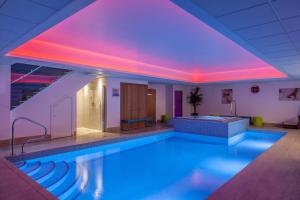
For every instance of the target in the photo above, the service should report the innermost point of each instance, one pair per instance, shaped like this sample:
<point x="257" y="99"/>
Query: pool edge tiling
<point x="84" y="145"/>
<point x="141" y="141"/>
<point x="20" y="185"/>
<point x="276" y="171"/>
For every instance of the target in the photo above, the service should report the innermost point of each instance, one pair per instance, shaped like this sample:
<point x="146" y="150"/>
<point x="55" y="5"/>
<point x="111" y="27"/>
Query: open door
<point x="90" y="109"/>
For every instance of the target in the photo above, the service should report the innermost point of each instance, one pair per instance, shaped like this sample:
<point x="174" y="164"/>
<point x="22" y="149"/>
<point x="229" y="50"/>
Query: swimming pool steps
<point x="64" y="180"/>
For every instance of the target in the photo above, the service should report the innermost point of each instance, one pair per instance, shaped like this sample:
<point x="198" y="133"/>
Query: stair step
<point x="48" y="176"/>
<point x="15" y="95"/>
<point x="65" y="182"/>
<point x="28" y="97"/>
<point x="44" y="170"/>
<point x="19" y="90"/>
<point x="20" y="164"/>
<point x="59" y="172"/>
<point x="30" y="167"/>
<point x="75" y="187"/>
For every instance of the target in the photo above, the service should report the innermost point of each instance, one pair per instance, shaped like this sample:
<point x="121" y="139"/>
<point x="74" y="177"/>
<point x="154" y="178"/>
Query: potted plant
<point x="195" y="99"/>
<point x="165" y="118"/>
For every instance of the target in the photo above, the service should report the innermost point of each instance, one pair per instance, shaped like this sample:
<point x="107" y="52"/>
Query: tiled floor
<point x="61" y="142"/>
<point x="273" y="175"/>
<point x="15" y="185"/>
<point x="80" y="139"/>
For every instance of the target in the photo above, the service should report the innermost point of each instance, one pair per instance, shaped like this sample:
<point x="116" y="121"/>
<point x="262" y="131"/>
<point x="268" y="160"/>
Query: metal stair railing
<point x="29" y="140"/>
<point x="25" y="75"/>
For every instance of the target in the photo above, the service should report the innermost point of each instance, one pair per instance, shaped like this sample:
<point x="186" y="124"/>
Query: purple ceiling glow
<point x="153" y="38"/>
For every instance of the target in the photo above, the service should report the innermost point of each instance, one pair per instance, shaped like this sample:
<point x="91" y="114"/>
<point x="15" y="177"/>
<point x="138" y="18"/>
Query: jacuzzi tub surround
<point x="215" y="126"/>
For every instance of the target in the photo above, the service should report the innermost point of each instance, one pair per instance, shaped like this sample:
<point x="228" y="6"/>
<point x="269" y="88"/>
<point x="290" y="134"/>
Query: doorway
<point x="178" y="103"/>
<point x="90" y="109"/>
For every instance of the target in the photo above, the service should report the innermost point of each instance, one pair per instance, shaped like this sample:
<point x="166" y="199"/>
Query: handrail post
<point x="12" y="138"/>
<point x="13" y="131"/>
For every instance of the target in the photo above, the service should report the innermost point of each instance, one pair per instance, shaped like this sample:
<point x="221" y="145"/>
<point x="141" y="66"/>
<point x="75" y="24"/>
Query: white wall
<point x="160" y="99"/>
<point x="165" y="99"/>
<point x="169" y="100"/>
<point x="113" y="103"/>
<point x="265" y="103"/>
<point x="4" y="102"/>
<point x="38" y="107"/>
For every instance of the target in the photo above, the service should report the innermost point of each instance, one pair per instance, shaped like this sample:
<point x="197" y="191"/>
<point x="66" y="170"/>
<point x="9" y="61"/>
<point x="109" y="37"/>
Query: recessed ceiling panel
<point x="295" y="35"/>
<point x="270" y="40"/>
<point x="264" y="30"/>
<point x="26" y="10"/>
<point x="292" y="24"/>
<point x="15" y="25"/>
<point x="217" y="7"/>
<point x="287" y="8"/>
<point x="282" y="54"/>
<point x="8" y="36"/>
<point x="249" y="17"/>
<point x="55" y="4"/>
<point x="278" y="48"/>
<point x="153" y="38"/>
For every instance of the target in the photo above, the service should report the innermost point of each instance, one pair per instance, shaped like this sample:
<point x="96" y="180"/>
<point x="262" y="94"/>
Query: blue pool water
<point x="169" y="165"/>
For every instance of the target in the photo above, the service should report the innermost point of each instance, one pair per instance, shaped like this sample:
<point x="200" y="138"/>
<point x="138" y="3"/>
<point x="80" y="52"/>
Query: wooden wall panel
<point x="134" y="103"/>
<point x="151" y="104"/>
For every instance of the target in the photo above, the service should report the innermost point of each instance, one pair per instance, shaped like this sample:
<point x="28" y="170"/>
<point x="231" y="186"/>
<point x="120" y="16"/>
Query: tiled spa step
<point x="64" y="180"/>
<point x="43" y="171"/>
<point x="68" y="181"/>
<point x="76" y="187"/>
<point x="31" y="167"/>
<point x="20" y="164"/>
<point x="61" y="169"/>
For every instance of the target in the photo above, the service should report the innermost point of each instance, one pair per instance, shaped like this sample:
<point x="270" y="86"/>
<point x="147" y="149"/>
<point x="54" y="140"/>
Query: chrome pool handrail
<point x="231" y="108"/>
<point x="30" y="140"/>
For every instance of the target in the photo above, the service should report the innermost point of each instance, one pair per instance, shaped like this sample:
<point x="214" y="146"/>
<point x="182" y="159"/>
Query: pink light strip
<point x="41" y="50"/>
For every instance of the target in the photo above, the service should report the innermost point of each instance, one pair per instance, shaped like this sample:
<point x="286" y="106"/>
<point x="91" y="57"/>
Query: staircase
<point x="29" y="80"/>
<point x="63" y="179"/>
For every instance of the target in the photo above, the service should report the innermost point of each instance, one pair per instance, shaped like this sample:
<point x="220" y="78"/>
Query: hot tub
<point x="216" y="126"/>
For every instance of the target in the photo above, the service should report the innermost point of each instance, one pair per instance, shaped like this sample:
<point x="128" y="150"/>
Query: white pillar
<point x="4" y="102"/>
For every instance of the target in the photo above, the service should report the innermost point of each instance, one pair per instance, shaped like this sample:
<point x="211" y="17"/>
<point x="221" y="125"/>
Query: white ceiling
<point x="20" y="18"/>
<point x="271" y="27"/>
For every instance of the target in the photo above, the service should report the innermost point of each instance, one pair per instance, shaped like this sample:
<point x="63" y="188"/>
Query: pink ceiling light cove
<point x="153" y="38"/>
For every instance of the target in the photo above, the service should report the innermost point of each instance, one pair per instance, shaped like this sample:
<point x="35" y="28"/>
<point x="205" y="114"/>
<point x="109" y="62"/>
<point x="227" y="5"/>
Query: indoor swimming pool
<point x="167" y="165"/>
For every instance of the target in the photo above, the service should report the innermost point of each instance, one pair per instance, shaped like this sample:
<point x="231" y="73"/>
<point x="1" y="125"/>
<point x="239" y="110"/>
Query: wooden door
<point x="61" y="118"/>
<point x="134" y="103"/>
<point x="151" y="104"/>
